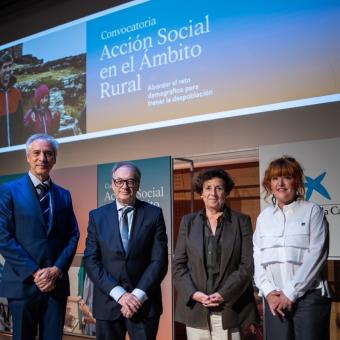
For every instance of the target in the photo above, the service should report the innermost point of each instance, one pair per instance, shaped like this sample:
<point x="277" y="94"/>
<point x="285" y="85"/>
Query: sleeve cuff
<point x="140" y="295"/>
<point x="266" y="288"/>
<point x="117" y="292"/>
<point x="290" y="292"/>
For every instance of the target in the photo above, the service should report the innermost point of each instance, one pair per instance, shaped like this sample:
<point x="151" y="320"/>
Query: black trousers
<point x="40" y="310"/>
<point x="145" y="329"/>
<point x="309" y="319"/>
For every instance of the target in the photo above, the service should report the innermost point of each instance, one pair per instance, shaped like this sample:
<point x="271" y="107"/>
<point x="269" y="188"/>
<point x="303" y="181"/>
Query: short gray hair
<point x="45" y="137"/>
<point x="128" y="165"/>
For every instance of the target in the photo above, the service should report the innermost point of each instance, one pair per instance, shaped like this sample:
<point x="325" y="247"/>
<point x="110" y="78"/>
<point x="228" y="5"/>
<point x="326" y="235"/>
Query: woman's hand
<point x="200" y="297"/>
<point x="278" y="303"/>
<point x="215" y="300"/>
<point x="273" y="299"/>
<point x="284" y="304"/>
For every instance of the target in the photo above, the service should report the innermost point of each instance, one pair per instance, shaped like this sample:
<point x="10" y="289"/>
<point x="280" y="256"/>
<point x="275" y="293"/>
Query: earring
<point x="274" y="200"/>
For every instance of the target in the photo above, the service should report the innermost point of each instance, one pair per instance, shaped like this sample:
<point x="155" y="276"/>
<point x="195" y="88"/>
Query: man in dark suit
<point x="126" y="257"/>
<point x="38" y="239"/>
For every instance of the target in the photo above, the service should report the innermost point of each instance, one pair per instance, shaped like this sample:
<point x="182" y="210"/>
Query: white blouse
<point x="291" y="249"/>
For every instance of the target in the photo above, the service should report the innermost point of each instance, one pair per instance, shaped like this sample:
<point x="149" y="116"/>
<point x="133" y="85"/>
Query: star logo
<point x="315" y="184"/>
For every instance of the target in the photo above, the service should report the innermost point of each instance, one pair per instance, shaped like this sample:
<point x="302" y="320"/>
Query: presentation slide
<point x="149" y="64"/>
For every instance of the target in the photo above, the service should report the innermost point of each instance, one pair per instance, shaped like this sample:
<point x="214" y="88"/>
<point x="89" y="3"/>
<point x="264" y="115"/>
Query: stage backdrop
<point x="321" y="163"/>
<point x="147" y="64"/>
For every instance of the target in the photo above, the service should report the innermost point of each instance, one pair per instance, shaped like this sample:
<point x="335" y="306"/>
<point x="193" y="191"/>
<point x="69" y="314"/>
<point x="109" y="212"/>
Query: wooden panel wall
<point x="245" y="196"/>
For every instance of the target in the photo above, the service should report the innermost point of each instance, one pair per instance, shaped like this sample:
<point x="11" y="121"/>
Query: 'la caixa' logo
<point x="315" y="184"/>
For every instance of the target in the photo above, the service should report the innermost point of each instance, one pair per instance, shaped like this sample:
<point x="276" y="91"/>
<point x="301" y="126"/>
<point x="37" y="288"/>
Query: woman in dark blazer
<point x="213" y="264"/>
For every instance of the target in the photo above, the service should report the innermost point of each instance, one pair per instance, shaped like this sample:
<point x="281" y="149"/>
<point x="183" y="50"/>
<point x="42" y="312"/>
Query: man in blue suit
<point x="126" y="257"/>
<point x="38" y="239"/>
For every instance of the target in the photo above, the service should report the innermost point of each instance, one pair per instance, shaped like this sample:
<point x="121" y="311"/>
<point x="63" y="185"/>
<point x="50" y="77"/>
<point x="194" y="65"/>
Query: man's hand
<point x="45" y="278"/>
<point x="127" y="312"/>
<point x="130" y="304"/>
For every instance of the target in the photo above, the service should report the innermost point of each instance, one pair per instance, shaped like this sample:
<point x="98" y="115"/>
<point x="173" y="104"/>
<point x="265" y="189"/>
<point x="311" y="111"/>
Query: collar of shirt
<point x="36" y="181"/>
<point x="288" y="208"/>
<point x="121" y="205"/>
<point x="130" y="214"/>
<point x="120" y="208"/>
<point x="225" y="214"/>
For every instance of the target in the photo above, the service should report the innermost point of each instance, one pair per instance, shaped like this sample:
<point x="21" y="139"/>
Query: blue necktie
<point x="124" y="227"/>
<point x="44" y="200"/>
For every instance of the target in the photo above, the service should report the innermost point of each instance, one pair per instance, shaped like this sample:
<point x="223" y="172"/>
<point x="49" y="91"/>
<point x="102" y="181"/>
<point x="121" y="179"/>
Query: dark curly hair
<point x="206" y="175"/>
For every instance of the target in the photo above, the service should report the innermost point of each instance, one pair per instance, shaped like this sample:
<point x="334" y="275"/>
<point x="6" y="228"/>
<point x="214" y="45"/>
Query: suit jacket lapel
<point x="227" y="241"/>
<point x="137" y="224"/>
<point x="197" y="242"/>
<point x="28" y="191"/>
<point x="54" y="202"/>
<point x="113" y="232"/>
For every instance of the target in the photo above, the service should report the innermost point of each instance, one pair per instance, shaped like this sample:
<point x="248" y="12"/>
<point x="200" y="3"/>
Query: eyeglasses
<point x="130" y="182"/>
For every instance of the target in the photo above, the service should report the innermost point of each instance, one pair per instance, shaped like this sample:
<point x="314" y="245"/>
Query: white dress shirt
<point x="117" y="292"/>
<point x="36" y="181"/>
<point x="291" y="249"/>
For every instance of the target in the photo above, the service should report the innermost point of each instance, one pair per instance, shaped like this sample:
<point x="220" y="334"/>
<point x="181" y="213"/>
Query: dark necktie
<point x="44" y="199"/>
<point x="124" y="227"/>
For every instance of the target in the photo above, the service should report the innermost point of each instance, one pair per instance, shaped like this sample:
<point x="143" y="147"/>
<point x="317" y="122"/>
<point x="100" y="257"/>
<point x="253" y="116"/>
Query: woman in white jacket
<point x="290" y="253"/>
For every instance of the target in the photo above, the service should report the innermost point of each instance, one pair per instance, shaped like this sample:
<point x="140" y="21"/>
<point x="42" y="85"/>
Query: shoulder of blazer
<point x="22" y="181"/>
<point x="58" y="187"/>
<point x="192" y="218"/>
<point x="147" y="206"/>
<point x="237" y="215"/>
<point x="104" y="209"/>
<point x="241" y="220"/>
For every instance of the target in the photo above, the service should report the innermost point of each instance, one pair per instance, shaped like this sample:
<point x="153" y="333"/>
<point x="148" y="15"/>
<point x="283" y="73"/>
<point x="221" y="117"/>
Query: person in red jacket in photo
<point x="11" y="111"/>
<point x="39" y="118"/>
